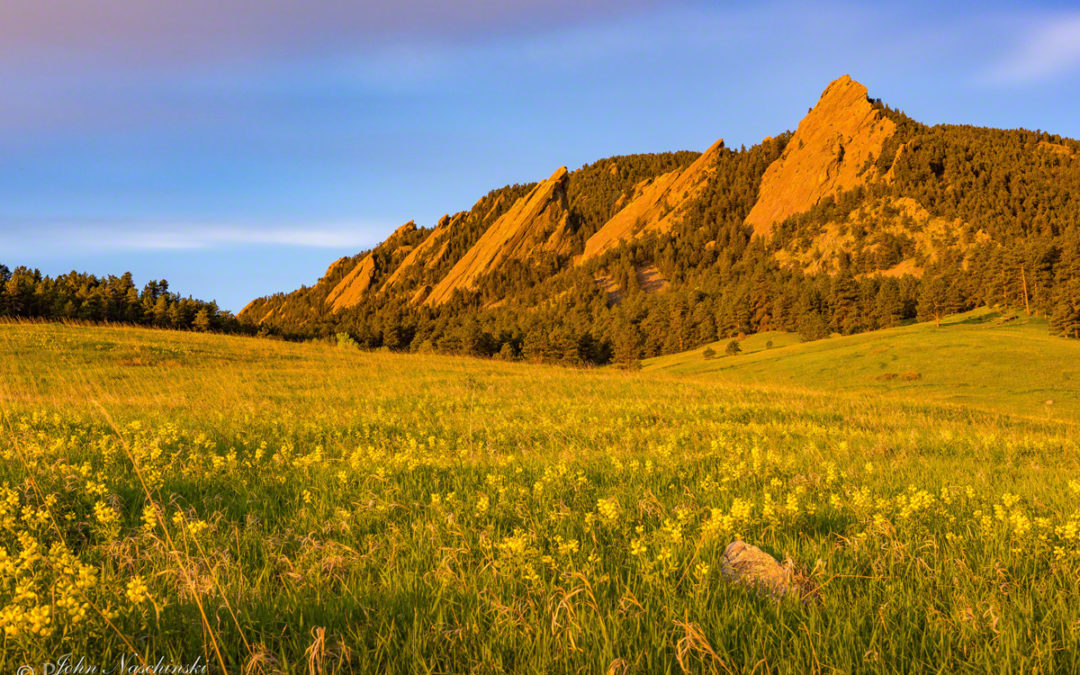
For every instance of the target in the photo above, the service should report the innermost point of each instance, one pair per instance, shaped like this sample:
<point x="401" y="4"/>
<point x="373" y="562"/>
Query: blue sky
<point x="237" y="147"/>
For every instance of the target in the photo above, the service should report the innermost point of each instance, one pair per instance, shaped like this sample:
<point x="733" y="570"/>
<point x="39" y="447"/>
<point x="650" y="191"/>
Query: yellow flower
<point x="137" y="591"/>
<point x="608" y="509"/>
<point x="149" y="518"/>
<point x="105" y="514"/>
<point x="567" y="547"/>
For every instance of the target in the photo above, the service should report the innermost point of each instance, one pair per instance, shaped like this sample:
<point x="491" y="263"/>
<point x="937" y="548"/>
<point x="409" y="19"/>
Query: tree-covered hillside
<point x="936" y="220"/>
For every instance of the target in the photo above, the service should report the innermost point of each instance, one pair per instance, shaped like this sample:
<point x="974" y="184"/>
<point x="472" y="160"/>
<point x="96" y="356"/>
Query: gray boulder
<point x="747" y="564"/>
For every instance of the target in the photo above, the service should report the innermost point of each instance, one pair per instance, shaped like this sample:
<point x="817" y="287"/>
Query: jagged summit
<point x="656" y="206"/>
<point x="827" y="155"/>
<point x="539" y="220"/>
<point x="638" y="255"/>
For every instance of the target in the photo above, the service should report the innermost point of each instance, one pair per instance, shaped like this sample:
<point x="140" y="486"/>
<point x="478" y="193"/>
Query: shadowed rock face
<point x="656" y="206"/>
<point x="827" y="155"/>
<point x="537" y="221"/>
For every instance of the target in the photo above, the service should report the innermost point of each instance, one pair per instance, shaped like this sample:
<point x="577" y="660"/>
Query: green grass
<point x="751" y="344"/>
<point x="304" y="508"/>
<point x="976" y="359"/>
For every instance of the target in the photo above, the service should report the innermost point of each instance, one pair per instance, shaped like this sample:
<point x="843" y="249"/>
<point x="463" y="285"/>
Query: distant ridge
<point x="861" y="218"/>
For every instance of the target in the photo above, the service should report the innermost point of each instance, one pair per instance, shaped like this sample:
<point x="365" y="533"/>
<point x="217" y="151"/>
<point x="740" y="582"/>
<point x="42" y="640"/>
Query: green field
<point x="274" y="507"/>
<point x="1000" y="361"/>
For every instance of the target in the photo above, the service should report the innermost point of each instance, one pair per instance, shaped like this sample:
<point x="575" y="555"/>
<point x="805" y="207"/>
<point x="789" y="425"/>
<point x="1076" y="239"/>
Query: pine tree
<point x="627" y="345"/>
<point x="1065" y="316"/>
<point x="931" y="299"/>
<point x="201" y="321"/>
<point x="844" y="304"/>
<point x="888" y="306"/>
<point x="812" y="326"/>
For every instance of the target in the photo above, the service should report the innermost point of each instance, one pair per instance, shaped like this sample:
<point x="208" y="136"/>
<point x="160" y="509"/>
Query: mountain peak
<point x="825" y="156"/>
<point x="843" y="84"/>
<point x="403" y="230"/>
<point x="656" y="206"/>
<point x="539" y="220"/>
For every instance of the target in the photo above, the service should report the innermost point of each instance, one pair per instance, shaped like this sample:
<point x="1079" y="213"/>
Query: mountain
<point x="861" y="218"/>
<point x="831" y="152"/>
<point x="655" y="206"/>
<point x="539" y="221"/>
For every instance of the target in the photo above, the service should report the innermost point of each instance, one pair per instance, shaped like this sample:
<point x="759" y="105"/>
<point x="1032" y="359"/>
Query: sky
<point x="238" y="147"/>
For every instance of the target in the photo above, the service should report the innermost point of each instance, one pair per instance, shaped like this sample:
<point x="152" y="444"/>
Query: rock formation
<point x="747" y="564"/>
<point x="537" y="221"/>
<point x="425" y="252"/>
<point x="348" y="292"/>
<point x="350" y="289"/>
<point x="829" y="153"/>
<point x="655" y="207"/>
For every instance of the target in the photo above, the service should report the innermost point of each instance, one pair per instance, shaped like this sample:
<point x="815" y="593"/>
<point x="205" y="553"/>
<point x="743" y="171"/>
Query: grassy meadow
<point x="275" y="507"/>
<point x="992" y="360"/>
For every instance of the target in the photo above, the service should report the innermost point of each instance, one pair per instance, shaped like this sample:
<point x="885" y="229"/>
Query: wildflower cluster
<point x="529" y="521"/>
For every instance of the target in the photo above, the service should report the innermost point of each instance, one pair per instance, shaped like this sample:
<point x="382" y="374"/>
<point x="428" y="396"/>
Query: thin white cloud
<point x="103" y="237"/>
<point x="1049" y="50"/>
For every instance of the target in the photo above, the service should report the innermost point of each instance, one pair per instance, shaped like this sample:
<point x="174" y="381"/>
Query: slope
<point x="994" y="360"/>
<point x="656" y="206"/>
<point x="537" y="221"/>
<point x="478" y="497"/>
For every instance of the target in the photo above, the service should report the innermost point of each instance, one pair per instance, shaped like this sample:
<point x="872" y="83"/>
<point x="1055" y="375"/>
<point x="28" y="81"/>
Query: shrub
<point x="346" y="340"/>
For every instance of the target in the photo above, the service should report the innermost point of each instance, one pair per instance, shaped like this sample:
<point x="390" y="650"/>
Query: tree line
<point x="27" y="293"/>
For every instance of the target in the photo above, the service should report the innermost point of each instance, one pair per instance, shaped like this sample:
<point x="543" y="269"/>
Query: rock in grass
<point x="748" y="564"/>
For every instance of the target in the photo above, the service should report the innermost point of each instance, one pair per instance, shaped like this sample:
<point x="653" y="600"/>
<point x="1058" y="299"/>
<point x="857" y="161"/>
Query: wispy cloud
<point x="105" y="237"/>
<point x="1049" y="49"/>
<point x="183" y="31"/>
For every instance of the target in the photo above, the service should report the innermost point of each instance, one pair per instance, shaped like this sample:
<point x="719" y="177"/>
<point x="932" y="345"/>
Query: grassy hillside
<point x="993" y="360"/>
<point x="268" y="507"/>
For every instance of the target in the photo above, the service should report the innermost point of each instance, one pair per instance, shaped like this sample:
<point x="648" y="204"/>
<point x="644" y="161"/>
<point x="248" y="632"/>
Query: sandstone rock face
<point x="399" y="233"/>
<point x="537" y="221"/>
<point x="348" y="292"/>
<point x="656" y="207"/>
<point x="747" y="564"/>
<point x="350" y="289"/>
<point x="423" y="253"/>
<point x="336" y="266"/>
<point x="1057" y="149"/>
<point x="826" y="155"/>
<point x="247" y="311"/>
